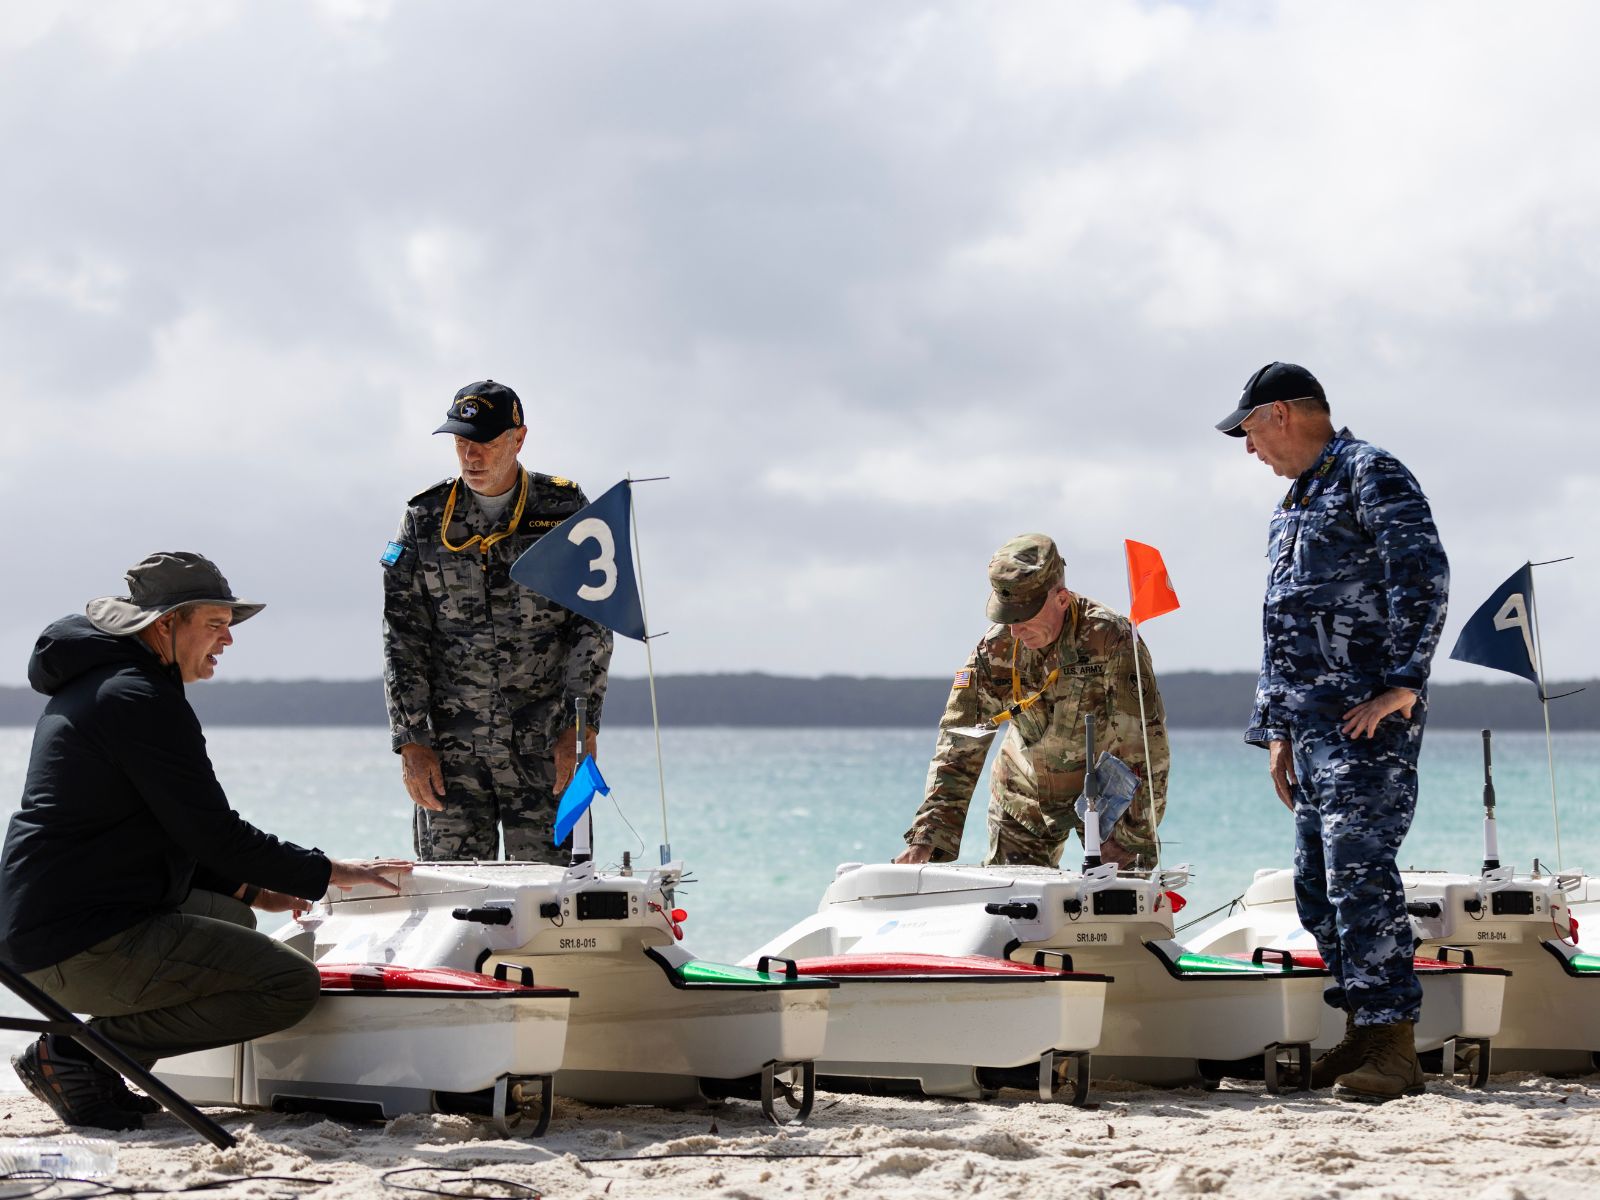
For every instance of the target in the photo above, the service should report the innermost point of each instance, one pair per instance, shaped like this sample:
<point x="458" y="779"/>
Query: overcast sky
<point x="879" y="286"/>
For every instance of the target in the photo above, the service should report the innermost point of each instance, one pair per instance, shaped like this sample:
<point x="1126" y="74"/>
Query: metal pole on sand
<point x="1491" y="841"/>
<point x="583" y="832"/>
<point x="1091" y="793"/>
<point x="650" y="673"/>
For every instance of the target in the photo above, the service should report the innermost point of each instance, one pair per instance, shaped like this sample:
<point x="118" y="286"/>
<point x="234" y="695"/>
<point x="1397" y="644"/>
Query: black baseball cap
<point x="483" y="411"/>
<point x="1275" y="381"/>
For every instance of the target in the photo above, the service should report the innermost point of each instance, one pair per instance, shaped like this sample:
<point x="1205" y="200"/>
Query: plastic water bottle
<point x="64" y="1158"/>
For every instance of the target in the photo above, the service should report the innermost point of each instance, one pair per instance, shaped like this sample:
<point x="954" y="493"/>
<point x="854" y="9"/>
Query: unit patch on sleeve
<point x="392" y="553"/>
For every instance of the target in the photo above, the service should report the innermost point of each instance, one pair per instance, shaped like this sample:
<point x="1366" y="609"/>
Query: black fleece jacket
<point x="121" y="813"/>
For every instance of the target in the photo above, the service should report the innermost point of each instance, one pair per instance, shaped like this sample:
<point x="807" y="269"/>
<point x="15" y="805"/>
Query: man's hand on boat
<point x="567" y="753"/>
<point x="915" y="854"/>
<point x="268" y="900"/>
<point x="419" y="767"/>
<point x="1362" y="720"/>
<point x="379" y="872"/>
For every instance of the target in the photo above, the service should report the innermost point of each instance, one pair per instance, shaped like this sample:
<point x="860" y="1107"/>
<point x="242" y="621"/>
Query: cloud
<point x="877" y="286"/>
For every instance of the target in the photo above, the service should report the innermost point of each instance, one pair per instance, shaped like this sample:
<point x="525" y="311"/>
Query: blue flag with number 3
<point x="586" y="564"/>
<point x="1500" y="635"/>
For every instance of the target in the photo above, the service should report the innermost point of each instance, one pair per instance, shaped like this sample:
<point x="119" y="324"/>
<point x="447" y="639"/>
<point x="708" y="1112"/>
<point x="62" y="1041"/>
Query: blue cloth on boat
<point x="1116" y="784"/>
<point x="585" y="785"/>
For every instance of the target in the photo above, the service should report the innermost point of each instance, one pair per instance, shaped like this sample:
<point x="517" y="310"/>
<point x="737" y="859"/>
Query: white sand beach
<point x="1523" y="1138"/>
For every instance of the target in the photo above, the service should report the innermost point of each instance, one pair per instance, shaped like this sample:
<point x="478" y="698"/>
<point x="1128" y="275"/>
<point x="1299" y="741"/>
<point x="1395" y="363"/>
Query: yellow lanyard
<point x="1020" y="703"/>
<point x="483" y="543"/>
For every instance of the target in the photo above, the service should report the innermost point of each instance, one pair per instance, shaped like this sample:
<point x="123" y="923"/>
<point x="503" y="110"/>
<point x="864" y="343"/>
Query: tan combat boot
<point x="1389" y="1068"/>
<point x="1346" y="1056"/>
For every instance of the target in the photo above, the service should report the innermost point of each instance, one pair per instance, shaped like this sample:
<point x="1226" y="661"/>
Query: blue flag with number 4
<point x="586" y="564"/>
<point x="1500" y="634"/>
<point x="586" y="784"/>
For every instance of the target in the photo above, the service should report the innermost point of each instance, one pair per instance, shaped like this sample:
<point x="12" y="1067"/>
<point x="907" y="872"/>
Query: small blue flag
<point x="586" y="564"/>
<point x="585" y="785"/>
<point x="1500" y="634"/>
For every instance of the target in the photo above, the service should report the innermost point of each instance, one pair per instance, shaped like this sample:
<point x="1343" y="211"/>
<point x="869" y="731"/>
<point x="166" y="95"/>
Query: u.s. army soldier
<point x="1053" y="657"/>
<point x="1356" y="589"/>
<point x="479" y="672"/>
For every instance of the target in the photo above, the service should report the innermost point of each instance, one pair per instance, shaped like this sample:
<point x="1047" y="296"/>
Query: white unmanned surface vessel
<point x="1495" y="962"/>
<point x="953" y="1025"/>
<point x="1499" y="956"/>
<point x="483" y="987"/>
<point x="1169" y="1016"/>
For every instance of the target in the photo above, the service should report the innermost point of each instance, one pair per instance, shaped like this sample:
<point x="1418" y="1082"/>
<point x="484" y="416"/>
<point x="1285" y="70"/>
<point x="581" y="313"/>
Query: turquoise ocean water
<point x="763" y="816"/>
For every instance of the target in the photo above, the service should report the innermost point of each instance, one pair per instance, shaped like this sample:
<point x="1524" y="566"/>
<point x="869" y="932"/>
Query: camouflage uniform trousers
<point x="490" y="787"/>
<point x="1353" y="806"/>
<point x="1013" y="844"/>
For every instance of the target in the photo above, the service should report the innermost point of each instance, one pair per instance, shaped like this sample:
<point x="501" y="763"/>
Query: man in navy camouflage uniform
<point x="1355" y="603"/>
<point x="479" y="672"/>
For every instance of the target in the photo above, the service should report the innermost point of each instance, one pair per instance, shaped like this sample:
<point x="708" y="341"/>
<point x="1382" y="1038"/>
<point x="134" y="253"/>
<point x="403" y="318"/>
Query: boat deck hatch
<point x="1512" y="904"/>
<point x="1116" y="902"/>
<point x="602" y="906"/>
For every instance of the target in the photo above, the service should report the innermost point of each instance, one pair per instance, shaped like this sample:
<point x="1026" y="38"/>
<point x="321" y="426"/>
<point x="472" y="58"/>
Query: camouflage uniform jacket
<point x="1038" y="774"/>
<point x="1356" y="590"/>
<point x="470" y="653"/>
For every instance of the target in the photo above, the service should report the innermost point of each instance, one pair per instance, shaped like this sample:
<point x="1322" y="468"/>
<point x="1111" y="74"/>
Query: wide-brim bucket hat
<point x="160" y="583"/>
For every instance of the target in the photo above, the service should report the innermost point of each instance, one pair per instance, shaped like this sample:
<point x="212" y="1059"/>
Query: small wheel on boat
<point x="1473" y="1056"/>
<point x="1063" y="1069"/>
<point x="1298" y="1065"/>
<point x="518" y="1099"/>
<point x="794" y="1085"/>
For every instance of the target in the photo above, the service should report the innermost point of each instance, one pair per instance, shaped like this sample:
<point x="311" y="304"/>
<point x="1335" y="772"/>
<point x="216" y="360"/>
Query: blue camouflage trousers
<point x="1353" y="807"/>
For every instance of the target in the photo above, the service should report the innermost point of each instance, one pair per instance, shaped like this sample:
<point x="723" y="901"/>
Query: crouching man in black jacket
<point x="127" y="880"/>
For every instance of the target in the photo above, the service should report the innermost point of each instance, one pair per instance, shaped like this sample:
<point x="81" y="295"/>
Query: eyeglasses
<point x="1244" y="425"/>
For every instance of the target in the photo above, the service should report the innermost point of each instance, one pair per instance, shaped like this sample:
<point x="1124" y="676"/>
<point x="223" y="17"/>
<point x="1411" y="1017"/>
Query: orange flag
<point x="1149" y="590"/>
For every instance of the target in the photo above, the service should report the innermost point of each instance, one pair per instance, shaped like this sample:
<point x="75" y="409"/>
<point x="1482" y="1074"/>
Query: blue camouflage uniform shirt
<point x="1356" y="590"/>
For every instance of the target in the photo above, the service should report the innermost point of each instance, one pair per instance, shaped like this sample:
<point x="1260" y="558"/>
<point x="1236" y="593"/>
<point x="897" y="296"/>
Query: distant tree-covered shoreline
<point x="1194" y="700"/>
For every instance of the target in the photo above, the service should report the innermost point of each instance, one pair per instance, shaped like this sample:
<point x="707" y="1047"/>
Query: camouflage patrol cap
<point x="483" y="411"/>
<point x="1022" y="574"/>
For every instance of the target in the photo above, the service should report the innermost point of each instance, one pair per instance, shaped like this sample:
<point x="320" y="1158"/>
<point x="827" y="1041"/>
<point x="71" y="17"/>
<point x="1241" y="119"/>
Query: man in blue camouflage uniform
<point x="1355" y="603"/>
<point x="480" y="673"/>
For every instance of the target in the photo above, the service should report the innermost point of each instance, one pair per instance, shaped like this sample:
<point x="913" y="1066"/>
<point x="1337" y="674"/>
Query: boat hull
<point x="1525" y="989"/>
<point x="1158" y="1019"/>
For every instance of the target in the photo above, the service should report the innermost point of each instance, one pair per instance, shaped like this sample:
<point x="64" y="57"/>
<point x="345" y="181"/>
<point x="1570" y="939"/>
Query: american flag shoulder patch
<point x="963" y="678"/>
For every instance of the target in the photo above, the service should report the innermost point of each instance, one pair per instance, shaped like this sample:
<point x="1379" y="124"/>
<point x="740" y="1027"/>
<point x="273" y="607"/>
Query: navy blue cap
<point x="1275" y="381"/>
<point x="483" y="411"/>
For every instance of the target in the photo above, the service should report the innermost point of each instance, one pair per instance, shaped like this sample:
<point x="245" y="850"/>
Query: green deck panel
<point x="699" y="971"/>
<point x="1211" y="964"/>
<point x="1587" y="964"/>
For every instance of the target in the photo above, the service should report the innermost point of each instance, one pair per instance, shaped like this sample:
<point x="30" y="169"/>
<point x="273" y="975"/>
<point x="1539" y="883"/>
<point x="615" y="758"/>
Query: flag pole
<point x="1144" y="732"/>
<point x="1544" y="704"/>
<point x="650" y="673"/>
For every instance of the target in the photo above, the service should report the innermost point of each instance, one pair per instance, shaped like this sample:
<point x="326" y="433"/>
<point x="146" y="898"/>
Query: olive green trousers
<point x="191" y="979"/>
